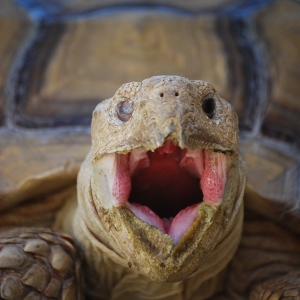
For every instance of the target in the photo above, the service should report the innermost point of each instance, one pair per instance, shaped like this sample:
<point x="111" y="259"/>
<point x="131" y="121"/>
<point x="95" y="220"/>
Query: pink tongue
<point x="147" y="215"/>
<point x="176" y="228"/>
<point x="182" y="222"/>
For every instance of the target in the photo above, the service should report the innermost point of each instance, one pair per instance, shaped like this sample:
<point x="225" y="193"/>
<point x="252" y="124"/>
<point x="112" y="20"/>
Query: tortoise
<point x="158" y="210"/>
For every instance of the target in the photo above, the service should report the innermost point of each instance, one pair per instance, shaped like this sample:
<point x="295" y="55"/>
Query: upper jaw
<point x="155" y="120"/>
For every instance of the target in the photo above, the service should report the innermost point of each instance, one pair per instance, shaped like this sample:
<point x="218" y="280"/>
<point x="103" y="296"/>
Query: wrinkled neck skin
<point x="108" y="273"/>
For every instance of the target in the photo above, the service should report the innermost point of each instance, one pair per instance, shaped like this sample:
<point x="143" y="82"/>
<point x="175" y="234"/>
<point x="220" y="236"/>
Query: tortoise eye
<point x="209" y="106"/>
<point x="124" y="110"/>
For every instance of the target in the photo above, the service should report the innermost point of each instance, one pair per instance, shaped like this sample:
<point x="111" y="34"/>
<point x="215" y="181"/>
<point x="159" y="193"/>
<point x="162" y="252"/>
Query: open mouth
<point x="165" y="188"/>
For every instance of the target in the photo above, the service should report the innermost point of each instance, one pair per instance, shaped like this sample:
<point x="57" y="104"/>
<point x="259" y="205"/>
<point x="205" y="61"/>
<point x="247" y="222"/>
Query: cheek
<point x="212" y="186"/>
<point x="122" y="181"/>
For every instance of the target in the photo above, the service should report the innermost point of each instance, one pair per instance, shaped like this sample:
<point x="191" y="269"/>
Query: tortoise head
<point x="163" y="183"/>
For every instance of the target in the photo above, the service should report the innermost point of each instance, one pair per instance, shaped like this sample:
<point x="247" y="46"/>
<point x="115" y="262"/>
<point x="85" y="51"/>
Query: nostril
<point x="161" y="95"/>
<point x="176" y="94"/>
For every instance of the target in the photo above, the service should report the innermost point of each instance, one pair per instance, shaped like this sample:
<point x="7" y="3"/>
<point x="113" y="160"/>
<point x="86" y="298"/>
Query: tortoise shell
<point x="59" y="60"/>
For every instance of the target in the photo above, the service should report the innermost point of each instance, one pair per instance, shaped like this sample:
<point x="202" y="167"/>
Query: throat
<point x="164" y="187"/>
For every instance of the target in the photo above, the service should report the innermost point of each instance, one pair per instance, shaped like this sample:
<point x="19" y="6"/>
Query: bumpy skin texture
<point x="283" y="287"/>
<point x="38" y="264"/>
<point x="158" y="113"/>
<point x="125" y="257"/>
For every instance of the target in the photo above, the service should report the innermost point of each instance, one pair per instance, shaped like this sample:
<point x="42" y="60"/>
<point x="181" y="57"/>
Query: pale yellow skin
<point x="126" y="258"/>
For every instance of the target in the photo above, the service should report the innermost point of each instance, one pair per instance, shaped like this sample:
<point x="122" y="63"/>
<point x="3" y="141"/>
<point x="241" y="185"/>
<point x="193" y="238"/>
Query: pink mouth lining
<point x="165" y="188"/>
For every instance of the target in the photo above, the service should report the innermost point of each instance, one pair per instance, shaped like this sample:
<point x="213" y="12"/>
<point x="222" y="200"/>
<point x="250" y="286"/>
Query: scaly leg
<point x="39" y="264"/>
<point x="281" y="288"/>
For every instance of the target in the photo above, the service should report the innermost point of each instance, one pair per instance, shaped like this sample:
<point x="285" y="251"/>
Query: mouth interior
<point x="164" y="186"/>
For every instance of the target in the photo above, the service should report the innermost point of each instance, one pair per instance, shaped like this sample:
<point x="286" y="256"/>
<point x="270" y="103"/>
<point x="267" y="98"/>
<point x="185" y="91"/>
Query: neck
<point x="109" y="276"/>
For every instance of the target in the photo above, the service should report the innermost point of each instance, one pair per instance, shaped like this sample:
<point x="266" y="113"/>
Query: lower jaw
<point x="155" y="255"/>
<point x="146" y="250"/>
<point x="175" y="227"/>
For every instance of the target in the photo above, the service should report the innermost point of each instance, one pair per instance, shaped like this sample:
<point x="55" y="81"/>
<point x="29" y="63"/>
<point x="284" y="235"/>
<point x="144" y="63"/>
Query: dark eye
<point x="208" y="106"/>
<point x="125" y="109"/>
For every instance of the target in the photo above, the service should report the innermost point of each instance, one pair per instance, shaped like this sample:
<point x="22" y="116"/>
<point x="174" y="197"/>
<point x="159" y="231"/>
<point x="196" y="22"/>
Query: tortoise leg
<point x="285" y="287"/>
<point x="37" y="264"/>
